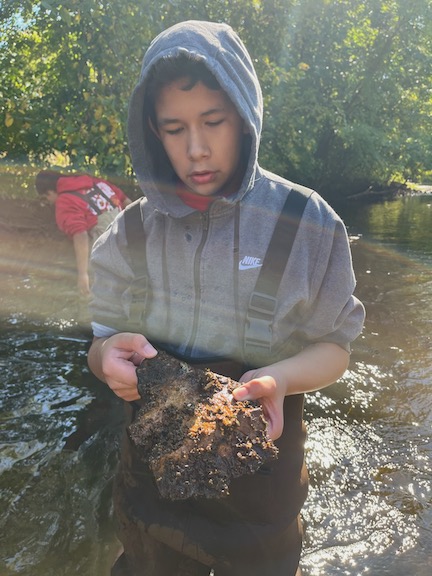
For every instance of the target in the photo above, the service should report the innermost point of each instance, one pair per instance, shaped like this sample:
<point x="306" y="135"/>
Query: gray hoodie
<point x="202" y="267"/>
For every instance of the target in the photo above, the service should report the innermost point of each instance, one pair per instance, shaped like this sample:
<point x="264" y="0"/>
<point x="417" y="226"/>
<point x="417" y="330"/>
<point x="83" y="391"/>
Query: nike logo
<point x="249" y="262"/>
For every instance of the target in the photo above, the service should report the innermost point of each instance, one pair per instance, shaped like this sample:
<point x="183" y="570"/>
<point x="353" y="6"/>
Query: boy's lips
<point x="204" y="177"/>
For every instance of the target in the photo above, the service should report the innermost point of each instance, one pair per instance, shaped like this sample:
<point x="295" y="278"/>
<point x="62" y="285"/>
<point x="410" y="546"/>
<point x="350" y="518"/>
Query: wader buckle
<point x="259" y="320"/>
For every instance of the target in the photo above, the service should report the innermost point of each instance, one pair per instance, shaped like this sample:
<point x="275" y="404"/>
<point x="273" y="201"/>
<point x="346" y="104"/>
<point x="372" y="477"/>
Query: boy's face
<point x="202" y="134"/>
<point x="51" y="196"/>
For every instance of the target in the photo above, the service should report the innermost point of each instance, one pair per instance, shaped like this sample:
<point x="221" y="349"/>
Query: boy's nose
<point x="197" y="146"/>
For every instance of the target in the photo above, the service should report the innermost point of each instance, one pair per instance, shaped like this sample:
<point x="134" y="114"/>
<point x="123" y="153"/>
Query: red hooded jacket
<point x="74" y="215"/>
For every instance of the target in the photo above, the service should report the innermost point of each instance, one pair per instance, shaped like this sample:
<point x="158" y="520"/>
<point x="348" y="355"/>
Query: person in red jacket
<point x="84" y="207"/>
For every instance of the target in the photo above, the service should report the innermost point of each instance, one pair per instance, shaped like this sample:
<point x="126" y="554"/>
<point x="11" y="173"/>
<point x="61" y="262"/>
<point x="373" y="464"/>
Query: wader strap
<point x="135" y="238"/>
<point x="262" y="303"/>
<point x="136" y="242"/>
<point x="89" y="198"/>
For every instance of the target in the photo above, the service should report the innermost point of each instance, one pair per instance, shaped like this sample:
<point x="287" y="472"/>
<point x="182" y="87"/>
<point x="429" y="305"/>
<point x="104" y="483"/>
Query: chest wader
<point x="255" y="531"/>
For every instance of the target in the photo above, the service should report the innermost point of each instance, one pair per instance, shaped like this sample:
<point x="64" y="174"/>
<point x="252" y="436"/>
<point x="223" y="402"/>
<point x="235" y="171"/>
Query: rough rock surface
<point x="192" y="433"/>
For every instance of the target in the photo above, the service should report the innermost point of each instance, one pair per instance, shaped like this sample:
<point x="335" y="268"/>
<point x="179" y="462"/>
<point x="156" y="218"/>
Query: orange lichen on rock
<point x="192" y="433"/>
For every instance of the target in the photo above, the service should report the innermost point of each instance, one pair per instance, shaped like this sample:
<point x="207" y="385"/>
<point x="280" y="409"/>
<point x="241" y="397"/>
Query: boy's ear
<point x="153" y="128"/>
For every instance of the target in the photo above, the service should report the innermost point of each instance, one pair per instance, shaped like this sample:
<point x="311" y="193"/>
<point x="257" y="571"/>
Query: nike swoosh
<point x="248" y="266"/>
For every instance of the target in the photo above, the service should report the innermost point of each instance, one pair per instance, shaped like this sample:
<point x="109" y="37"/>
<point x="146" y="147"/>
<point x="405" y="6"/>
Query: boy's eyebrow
<point x="166" y="121"/>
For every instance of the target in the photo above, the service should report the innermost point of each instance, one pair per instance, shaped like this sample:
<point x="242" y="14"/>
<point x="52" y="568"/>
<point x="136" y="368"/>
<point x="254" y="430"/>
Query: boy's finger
<point x="251" y="390"/>
<point x="142" y="346"/>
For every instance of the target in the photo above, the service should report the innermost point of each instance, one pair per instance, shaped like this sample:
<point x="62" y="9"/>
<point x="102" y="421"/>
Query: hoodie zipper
<point x="197" y="282"/>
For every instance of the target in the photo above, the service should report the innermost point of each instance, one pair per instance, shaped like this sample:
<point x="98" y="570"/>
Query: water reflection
<point x="59" y="430"/>
<point x="369" y="446"/>
<point x="404" y="224"/>
<point x="370" y="450"/>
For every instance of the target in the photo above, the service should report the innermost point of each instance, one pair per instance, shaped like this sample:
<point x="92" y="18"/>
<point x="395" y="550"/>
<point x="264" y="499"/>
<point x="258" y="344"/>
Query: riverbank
<point x="391" y="192"/>
<point x="37" y="265"/>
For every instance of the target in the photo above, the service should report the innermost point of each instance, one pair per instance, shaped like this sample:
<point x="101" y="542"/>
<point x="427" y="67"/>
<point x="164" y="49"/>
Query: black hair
<point x="169" y="70"/>
<point x="47" y="180"/>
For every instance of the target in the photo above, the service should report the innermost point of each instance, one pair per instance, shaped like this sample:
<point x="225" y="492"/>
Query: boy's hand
<point x="114" y="361"/>
<point x="313" y="368"/>
<point x="83" y="283"/>
<point x="271" y="396"/>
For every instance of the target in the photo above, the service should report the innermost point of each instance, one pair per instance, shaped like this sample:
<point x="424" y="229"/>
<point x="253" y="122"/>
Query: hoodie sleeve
<point x="73" y="215"/>
<point x="317" y="301"/>
<point x="113" y="276"/>
<point x="332" y="313"/>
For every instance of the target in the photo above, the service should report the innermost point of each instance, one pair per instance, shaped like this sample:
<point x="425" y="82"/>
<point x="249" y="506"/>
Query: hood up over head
<point x="224" y="54"/>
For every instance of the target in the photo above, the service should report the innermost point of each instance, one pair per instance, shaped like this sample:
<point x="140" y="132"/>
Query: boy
<point x="190" y="282"/>
<point x="84" y="207"/>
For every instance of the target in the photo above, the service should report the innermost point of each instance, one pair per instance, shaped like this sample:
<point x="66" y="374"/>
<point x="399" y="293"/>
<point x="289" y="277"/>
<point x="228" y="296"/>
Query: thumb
<point x="254" y="389"/>
<point x="141" y="346"/>
<point x="264" y="389"/>
<point x="142" y="352"/>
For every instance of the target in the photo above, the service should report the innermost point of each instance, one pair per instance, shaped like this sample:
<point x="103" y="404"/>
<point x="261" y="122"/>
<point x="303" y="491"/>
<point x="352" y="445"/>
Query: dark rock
<point x="192" y="433"/>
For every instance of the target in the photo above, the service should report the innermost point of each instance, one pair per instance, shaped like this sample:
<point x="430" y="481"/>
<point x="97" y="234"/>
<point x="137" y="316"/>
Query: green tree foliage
<point x="347" y="83"/>
<point x="351" y="96"/>
<point x="67" y="72"/>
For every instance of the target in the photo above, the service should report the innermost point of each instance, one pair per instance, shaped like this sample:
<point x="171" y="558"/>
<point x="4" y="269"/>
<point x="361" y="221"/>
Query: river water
<point x="369" y="447"/>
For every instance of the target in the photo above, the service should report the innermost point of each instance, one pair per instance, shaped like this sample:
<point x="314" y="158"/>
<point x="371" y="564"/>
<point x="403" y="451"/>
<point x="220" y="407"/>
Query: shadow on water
<point x="369" y="446"/>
